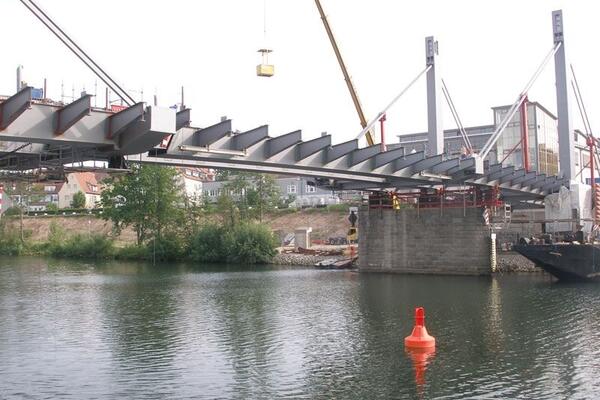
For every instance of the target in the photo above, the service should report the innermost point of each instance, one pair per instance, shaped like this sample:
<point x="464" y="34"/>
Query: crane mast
<point x="361" y="115"/>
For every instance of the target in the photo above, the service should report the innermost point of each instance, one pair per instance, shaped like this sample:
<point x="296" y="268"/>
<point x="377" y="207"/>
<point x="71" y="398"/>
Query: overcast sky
<point x="488" y="51"/>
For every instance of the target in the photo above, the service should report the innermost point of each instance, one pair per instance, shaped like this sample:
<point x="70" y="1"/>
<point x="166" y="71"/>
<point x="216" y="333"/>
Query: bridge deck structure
<point x="43" y="134"/>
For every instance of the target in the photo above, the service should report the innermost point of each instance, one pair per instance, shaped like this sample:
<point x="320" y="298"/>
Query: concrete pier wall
<point x="430" y="241"/>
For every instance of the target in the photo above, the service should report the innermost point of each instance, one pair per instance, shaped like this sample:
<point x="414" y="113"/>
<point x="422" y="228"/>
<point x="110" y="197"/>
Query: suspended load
<point x="264" y="68"/>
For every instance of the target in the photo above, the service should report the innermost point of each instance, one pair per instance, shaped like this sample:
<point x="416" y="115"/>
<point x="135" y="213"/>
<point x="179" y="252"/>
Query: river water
<point x="120" y="330"/>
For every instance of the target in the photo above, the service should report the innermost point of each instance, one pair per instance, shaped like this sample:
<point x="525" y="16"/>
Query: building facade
<point x="298" y="191"/>
<point x="542" y="140"/>
<point x="191" y="180"/>
<point x="90" y="183"/>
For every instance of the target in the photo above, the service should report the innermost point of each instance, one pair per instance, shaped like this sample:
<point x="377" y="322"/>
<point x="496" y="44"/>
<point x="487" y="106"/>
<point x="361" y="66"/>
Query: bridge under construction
<point x="41" y="134"/>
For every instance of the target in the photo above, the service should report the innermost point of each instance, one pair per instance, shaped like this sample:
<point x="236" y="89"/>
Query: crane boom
<point x="361" y="115"/>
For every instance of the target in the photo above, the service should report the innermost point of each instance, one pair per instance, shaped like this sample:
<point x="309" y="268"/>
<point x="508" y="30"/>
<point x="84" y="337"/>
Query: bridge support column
<point x="435" y="142"/>
<point x="566" y="141"/>
<point x="424" y="241"/>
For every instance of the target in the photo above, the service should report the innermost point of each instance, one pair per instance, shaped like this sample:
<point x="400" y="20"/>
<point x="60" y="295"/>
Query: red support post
<point x="595" y="205"/>
<point x="525" y="134"/>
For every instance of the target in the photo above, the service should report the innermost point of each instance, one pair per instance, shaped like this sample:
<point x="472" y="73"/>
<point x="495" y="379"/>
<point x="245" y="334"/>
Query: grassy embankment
<point x="91" y="237"/>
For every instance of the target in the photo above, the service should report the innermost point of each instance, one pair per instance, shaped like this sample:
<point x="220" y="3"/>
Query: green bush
<point x="132" y="252"/>
<point x="207" y="244"/>
<point x="250" y="244"/>
<point x="243" y="244"/>
<point x="12" y="211"/>
<point x="83" y="246"/>
<point x="11" y="244"/>
<point x="165" y="249"/>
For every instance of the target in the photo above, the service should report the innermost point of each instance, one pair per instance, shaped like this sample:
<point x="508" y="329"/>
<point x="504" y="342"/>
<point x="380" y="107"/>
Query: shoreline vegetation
<point x="246" y="243"/>
<point x="150" y="205"/>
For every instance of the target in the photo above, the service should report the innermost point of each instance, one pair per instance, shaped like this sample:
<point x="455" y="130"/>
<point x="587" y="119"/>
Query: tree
<point x="148" y="199"/>
<point x="52" y="207"/>
<point x="78" y="200"/>
<point x="263" y="196"/>
<point x="252" y="194"/>
<point x="26" y="192"/>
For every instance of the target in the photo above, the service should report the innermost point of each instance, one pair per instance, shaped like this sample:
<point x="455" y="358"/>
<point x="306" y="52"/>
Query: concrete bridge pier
<point x="424" y="241"/>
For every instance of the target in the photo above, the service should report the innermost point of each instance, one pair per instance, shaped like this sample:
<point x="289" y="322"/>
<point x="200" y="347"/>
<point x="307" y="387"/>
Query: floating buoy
<point x="419" y="338"/>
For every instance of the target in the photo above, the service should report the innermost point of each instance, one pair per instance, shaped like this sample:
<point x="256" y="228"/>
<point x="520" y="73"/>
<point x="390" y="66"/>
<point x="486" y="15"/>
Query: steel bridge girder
<point x="14" y="106"/>
<point x="70" y="114"/>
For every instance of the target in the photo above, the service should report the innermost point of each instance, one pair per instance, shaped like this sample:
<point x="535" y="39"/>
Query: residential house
<point x="90" y="183"/>
<point x="36" y="197"/>
<point x="192" y="178"/>
<point x="300" y="191"/>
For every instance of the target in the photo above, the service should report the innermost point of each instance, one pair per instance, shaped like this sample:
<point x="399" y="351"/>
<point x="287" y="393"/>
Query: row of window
<point x="291" y="189"/>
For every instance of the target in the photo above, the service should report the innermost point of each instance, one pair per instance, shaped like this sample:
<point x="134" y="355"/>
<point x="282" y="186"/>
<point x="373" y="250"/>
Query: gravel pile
<point x="300" y="259"/>
<point x="514" y="262"/>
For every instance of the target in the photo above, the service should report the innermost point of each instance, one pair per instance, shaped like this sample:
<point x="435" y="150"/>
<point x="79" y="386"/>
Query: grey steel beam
<point x="387" y="157"/>
<point x="15" y="105"/>
<point x="539" y="182"/>
<point x="550" y="181"/>
<point x="524" y="178"/>
<point x="409" y="159"/>
<point x="118" y="122"/>
<point x="183" y="118"/>
<point x="445" y="166"/>
<point x="209" y="135"/>
<point x="463" y="165"/>
<point x="280" y="143"/>
<point x="250" y="166"/>
<point x="506" y="171"/>
<point x="511" y="178"/>
<point x="339" y="150"/>
<point x="359" y="155"/>
<point x="68" y="115"/>
<point x="242" y="141"/>
<point x="551" y="187"/>
<point x="530" y="180"/>
<point x="494" y="168"/>
<point x="306" y="149"/>
<point x="424" y="164"/>
<point x="145" y="133"/>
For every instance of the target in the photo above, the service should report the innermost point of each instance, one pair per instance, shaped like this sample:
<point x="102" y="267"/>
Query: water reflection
<point x="111" y="330"/>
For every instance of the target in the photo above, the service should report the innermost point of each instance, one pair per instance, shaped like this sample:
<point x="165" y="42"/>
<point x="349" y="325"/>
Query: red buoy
<point x="419" y="338"/>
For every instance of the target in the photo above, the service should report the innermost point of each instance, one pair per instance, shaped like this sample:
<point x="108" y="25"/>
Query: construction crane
<point x="361" y="115"/>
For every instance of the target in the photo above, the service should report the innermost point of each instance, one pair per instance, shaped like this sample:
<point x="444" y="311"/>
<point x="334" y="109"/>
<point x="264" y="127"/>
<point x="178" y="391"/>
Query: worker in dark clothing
<point x="352" y="218"/>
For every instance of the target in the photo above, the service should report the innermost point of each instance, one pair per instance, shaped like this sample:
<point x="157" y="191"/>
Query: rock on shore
<point x="509" y="261"/>
<point x="301" y="259"/>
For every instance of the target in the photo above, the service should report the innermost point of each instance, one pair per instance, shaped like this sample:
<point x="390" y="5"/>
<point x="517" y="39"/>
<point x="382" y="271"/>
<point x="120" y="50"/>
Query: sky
<point x="488" y="52"/>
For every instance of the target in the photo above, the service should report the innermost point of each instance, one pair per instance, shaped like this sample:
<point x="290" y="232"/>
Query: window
<point x="291" y="189"/>
<point x="49" y="188"/>
<point x="310" y="189"/>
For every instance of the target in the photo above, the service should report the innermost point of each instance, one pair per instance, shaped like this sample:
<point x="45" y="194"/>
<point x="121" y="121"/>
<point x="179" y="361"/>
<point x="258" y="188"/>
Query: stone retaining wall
<point x="426" y="241"/>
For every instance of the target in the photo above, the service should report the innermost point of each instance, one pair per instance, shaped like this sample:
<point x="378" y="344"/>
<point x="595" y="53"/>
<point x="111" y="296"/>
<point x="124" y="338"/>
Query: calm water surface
<point x="118" y="330"/>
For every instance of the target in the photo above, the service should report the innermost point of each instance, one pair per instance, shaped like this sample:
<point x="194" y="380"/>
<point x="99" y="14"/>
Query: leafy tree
<point x="27" y="192"/>
<point x="223" y="175"/>
<point x="148" y="199"/>
<point x="252" y="194"/>
<point x="78" y="200"/>
<point x="263" y="196"/>
<point x="52" y="207"/>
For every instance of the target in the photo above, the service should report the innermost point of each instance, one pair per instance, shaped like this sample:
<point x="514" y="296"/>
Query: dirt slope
<point x="325" y="224"/>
